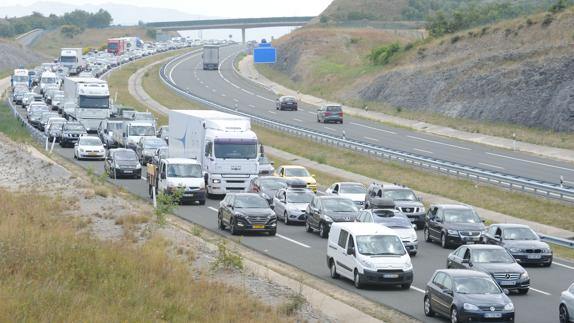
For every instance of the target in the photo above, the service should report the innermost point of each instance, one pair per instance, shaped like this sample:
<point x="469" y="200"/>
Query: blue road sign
<point x="265" y="45"/>
<point x="265" y="55"/>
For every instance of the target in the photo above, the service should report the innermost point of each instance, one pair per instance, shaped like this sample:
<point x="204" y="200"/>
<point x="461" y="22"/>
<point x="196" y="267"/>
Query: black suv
<point x="326" y="209"/>
<point x="71" y="133"/>
<point x="405" y="201"/>
<point x="452" y="225"/>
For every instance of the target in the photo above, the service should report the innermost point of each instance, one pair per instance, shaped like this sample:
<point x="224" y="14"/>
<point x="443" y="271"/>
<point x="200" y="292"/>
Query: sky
<point x="221" y="8"/>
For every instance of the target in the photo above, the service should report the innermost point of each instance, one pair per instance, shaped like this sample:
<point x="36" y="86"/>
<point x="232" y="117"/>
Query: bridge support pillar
<point x="243" y="35"/>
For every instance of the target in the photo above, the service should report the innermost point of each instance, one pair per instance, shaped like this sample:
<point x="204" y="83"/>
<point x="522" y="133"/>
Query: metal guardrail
<point x="557" y="241"/>
<point x="523" y="184"/>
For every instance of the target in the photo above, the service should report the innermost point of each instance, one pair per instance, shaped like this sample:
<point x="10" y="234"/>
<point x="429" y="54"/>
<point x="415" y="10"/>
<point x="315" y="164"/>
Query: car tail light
<point x="340" y="114"/>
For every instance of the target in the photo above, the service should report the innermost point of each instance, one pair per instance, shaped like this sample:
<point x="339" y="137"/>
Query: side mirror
<point x="313" y="175"/>
<point x="124" y="135"/>
<point x="351" y="251"/>
<point x="497" y="237"/>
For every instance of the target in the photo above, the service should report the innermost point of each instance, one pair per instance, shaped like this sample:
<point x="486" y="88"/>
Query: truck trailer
<point x="210" y="57"/>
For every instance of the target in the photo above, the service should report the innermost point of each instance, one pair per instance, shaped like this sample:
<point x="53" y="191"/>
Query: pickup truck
<point x="166" y="175"/>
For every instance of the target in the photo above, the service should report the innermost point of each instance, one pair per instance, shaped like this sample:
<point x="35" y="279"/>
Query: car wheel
<point x="233" y="230"/>
<point x="286" y="218"/>
<point x="547" y="264"/>
<point x="323" y="231"/>
<point x="426" y="234"/>
<point x="454" y="315"/>
<point x="308" y="227"/>
<point x="220" y="224"/>
<point x="427" y="307"/>
<point x="523" y="291"/>
<point x="201" y="202"/>
<point x="406" y="286"/>
<point x="333" y="269"/>
<point x="357" y="280"/>
<point x="412" y="254"/>
<point x="443" y="242"/>
<point x="272" y="233"/>
<point x="318" y="120"/>
<point x="563" y="314"/>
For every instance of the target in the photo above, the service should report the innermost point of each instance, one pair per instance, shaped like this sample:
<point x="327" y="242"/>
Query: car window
<point x="460" y="252"/>
<point x="447" y="282"/>
<point x="439" y="279"/>
<point x="343" y="238"/>
<point x="351" y="243"/>
<point x="519" y="234"/>
<point x="492" y="229"/>
<point x="499" y="256"/>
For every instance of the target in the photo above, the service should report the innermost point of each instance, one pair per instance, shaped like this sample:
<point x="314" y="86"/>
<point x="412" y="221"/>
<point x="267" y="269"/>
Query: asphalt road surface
<point x="306" y="251"/>
<point x="227" y="88"/>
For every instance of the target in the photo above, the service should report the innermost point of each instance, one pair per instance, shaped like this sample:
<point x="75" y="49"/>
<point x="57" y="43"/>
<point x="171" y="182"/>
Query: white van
<point x="368" y="254"/>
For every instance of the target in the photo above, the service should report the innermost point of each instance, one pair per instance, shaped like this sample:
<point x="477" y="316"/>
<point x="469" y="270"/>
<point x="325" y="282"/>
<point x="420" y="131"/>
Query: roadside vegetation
<point x="11" y="127"/>
<point x="52" y="273"/>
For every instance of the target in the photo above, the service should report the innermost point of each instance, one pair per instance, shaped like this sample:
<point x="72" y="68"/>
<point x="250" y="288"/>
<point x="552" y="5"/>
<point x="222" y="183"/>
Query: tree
<point x="100" y="19"/>
<point x="70" y="30"/>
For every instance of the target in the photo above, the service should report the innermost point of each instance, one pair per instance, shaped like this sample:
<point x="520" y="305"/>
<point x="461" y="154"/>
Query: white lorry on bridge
<point x="223" y="143"/>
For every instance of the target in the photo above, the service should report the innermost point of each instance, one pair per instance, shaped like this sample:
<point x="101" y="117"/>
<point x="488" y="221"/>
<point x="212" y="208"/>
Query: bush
<point x="166" y="203"/>
<point x="548" y="19"/>
<point x="560" y="5"/>
<point x="324" y="19"/>
<point x="409" y="46"/>
<point x="455" y="39"/>
<point x="382" y="55"/>
<point x="71" y="31"/>
<point x="226" y="259"/>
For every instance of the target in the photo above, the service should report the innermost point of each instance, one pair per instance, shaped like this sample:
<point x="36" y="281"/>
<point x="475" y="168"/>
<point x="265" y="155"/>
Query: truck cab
<point x="133" y="131"/>
<point x="169" y="174"/>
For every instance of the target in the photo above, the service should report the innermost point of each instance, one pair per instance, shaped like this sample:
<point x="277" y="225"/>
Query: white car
<point x="89" y="147"/>
<point x="567" y="305"/>
<point x="395" y="220"/>
<point x="353" y="191"/>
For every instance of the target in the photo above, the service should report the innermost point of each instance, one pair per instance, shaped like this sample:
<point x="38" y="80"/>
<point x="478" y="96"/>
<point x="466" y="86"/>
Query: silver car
<point x="290" y="204"/>
<point x="566" y="305"/>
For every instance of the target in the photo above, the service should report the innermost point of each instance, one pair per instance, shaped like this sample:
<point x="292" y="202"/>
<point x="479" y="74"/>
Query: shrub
<point x="409" y="46"/>
<point x="559" y="6"/>
<point x="455" y="39"/>
<point x="226" y="259"/>
<point x="166" y="203"/>
<point x="382" y="55"/>
<point x="548" y="19"/>
<point x="529" y="22"/>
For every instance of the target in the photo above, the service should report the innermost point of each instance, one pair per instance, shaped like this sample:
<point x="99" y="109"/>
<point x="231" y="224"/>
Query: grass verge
<point x="11" y="127"/>
<point x="50" y="273"/>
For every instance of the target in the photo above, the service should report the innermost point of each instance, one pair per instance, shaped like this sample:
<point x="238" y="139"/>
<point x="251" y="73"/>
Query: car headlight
<point x="408" y="266"/>
<point x="422" y="209"/>
<point x="509" y="307"/>
<point x="524" y="275"/>
<point x="239" y="215"/>
<point x="366" y="263"/>
<point x="414" y="237"/>
<point x="452" y="232"/>
<point x="328" y="218"/>
<point x="138" y="166"/>
<point x="216" y="181"/>
<point x="546" y="250"/>
<point x="81" y="150"/>
<point x="470" y="307"/>
<point x="515" y="250"/>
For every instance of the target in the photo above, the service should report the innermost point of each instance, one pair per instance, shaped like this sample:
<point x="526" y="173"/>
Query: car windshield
<point x="90" y="142"/>
<point x="74" y="127"/>
<point x="475" y="285"/>
<point x="334" y="109"/>
<point x="48" y="80"/>
<point x="380" y="245"/>
<point x="236" y="149"/>
<point x="519" y="234"/>
<point x="184" y="170"/>
<point x="141" y="131"/>
<point x="250" y="201"/>
<point x="56" y="125"/>
<point x="288" y="99"/>
<point x="154" y="143"/>
<point x="339" y="205"/>
<point x="399" y="195"/>
<point x="112" y="126"/>
<point x="352" y="189"/>
<point x="296" y="172"/>
<point x="273" y="183"/>
<point x="460" y="216"/>
<point x="491" y="256"/>
<point x="125" y="155"/>
<point x="300" y="197"/>
<point x="391" y="219"/>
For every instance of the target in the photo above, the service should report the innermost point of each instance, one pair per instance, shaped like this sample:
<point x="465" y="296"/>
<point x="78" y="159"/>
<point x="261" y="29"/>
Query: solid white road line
<point x="562" y="265"/>
<point x="439" y="143"/>
<point x="264" y="98"/>
<point x="531" y="162"/>
<point x="369" y="138"/>
<point x="373" y="128"/>
<point x="251" y="106"/>
<point x="291" y="240"/>
<point x="540" y="291"/>
<point x="301" y="109"/>
<point x="417" y="289"/>
<point x="295" y="119"/>
<point x="272" y="112"/>
<point x="329" y="128"/>
<point x="423" y="151"/>
<point x="223" y="95"/>
<point x="493" y="166"/>
<point x="213" y="209"/>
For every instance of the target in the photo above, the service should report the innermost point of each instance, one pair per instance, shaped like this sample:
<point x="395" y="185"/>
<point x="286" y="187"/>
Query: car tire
<point x="523" y="291"/>
<point x="406" y="286"/>
<point x="563" y="314"/>
<point x="323" y="231"/>
<point x="454" y="315"/>
<point x="273" y="233"/>
<point x="428" y="307"/>
<point x="547" y="264"/>
<point x="308" y="227"/>
<point x="426" y="235"/>
<point x="220" y="224"/>
<point x="357" y="280"/>
<point x="286" y="218"/>
<point x="201" y="202"/>
<point x="333" y="269"/>
<point x="232" y="228"/>
<point x="443" y="242"/>
<point x="413" y="254"/>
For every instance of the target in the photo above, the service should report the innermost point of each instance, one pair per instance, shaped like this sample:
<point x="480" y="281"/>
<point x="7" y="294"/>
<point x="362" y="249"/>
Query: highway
<point x="306" y="251"/>
<point x="227" y="88"/>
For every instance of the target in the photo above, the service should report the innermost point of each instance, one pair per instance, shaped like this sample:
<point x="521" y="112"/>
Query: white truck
<point x="20" y="77"/>
<point x="48" y="80"/>
<point x="223" y="143"/>
<point x="169" y="174"/>
<point x="210" y="57"/>
<point x="133" y="131"/>
<point x="72" y="59"/>
<point x="91" y="99"/>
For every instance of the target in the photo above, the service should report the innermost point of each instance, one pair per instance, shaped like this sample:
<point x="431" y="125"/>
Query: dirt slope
<point x="13" y="55"/>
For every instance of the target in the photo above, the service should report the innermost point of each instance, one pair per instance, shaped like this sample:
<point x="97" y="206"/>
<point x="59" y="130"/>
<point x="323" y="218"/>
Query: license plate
<point x="92" y="154"/>
<point x="534" y="256"/>
<point x="470" y="242"/>
<point x="258" y="226"/>
<point x="390" y="276"/>
<point x="507" y="283"/>
<point x="128" y="171"/>
<point x="492" y="315"/>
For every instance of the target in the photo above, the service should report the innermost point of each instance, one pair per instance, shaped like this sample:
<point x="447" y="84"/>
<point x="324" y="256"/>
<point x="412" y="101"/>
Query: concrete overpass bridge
<point x="242" y="23"/>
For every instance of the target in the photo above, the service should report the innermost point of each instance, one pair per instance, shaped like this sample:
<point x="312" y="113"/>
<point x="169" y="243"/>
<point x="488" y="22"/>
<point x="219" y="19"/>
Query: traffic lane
<point x="491" y="158"/>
